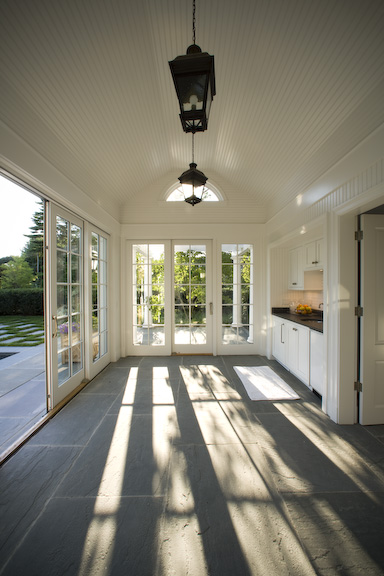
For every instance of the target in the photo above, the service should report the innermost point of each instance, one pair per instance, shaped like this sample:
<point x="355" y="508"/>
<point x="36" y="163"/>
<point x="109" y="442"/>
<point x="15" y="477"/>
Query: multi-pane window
<point x="190" y="299"/>
<point x="99" y="296"/>
<point x="148" y="294"/>
<point x="237" y="293"/>
<point x="69" y="298"/>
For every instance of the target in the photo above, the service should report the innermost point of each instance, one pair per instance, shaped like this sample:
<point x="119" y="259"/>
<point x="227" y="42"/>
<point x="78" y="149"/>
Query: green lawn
<point x="21" y="330"/>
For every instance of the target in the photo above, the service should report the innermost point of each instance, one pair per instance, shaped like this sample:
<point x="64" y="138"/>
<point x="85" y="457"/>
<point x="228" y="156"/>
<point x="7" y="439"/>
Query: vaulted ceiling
<point x="86" y="84"/>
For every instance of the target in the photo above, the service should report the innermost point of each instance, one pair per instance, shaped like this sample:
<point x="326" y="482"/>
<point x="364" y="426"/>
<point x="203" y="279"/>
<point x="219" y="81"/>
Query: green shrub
<point x="21" y="302"/>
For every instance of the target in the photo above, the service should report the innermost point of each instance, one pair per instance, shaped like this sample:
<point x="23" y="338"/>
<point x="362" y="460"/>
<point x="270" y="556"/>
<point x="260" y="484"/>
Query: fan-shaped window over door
<point x="210" y="195"/>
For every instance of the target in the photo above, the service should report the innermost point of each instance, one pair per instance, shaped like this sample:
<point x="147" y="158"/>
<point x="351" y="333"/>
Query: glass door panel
<point x="192" y="321"/>
<point x="149" y="306"/>
<point x="237" y="294"/>
<point x="67" y="303"/>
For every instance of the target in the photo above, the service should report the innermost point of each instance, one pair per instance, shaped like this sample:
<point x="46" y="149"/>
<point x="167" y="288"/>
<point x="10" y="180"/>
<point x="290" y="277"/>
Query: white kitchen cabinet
<point x="290" y="347"/>
<point x="279" y="342"/>
<point x="296" y="269"/>
<point x="313" y="254"/>
<point x="298" y="351"/>
<point x="316" y="377"/>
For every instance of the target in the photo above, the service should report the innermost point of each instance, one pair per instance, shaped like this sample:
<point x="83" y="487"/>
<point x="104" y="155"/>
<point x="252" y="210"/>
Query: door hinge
<point x="358" y="386"/>
<point x="359" y="311"/>
<point x="359" y="235"/>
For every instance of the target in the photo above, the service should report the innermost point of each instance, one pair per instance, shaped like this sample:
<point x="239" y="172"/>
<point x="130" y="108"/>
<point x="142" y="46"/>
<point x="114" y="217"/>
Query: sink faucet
<point x="321" y="305"/>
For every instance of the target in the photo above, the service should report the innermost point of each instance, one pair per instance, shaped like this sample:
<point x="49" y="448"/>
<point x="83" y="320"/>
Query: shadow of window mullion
<point x="221" y="547"/>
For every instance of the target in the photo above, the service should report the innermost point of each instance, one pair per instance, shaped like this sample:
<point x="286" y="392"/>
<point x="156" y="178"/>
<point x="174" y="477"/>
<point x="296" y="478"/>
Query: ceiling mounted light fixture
<point x="193" y="181"/>
<point x="194" y="78"/>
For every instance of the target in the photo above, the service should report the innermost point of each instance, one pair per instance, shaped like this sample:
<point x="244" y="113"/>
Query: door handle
<point x="211" y="308"/>
<point x="54" y="327"/>
<point x="281" y="334"/>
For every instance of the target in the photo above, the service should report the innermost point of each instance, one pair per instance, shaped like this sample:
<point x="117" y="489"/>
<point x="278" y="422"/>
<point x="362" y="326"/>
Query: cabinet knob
<point x="294" y="283"/>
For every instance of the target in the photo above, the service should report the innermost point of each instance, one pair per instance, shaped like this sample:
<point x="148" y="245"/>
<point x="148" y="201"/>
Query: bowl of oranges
<point x="303" y="309"/>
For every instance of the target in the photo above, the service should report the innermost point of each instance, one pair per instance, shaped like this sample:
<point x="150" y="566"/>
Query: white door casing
<point x="372" y="322"/>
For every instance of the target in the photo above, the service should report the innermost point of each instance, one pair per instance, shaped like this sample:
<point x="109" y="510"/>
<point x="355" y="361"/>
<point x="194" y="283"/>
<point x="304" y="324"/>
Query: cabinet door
<point x="279" y="343"/>
<point x="320" y="252"/>
<point x="298" y="351"/>
<point x="317" y="366"/>
<point x="296" y="270"/>
<point x="313" y="252"/>
<point x="310" y="254"/>
<point x="293" y="347"/>
<point x="303" y="359"/>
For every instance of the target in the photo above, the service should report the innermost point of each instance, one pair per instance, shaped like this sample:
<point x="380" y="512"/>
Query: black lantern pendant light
<point x="193" y="182"/>
<point x="194" y="79"/>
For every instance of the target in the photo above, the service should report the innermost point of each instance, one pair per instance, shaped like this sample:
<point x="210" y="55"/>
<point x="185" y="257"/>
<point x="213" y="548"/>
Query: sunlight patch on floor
<point x="100" y="539"/>
<point x="337" y="450"/>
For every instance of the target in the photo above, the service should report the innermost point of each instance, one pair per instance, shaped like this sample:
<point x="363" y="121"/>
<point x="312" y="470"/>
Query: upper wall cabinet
<point x="296" y="269"/>
<point x="313" y="254"/>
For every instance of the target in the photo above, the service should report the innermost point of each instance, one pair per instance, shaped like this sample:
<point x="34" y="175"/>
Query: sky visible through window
<point x="17" y="207"/>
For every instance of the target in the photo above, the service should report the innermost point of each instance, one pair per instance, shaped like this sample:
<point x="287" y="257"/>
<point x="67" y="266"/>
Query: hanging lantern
<point x="194" y="78"/>
<point x="193" y="184"/>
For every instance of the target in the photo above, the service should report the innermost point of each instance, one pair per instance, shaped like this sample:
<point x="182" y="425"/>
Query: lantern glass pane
<point x="192" y="89"/>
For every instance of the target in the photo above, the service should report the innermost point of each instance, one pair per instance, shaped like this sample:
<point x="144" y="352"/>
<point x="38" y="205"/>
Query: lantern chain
<point x="193" y="147"/>
<point x="194" y="22"/>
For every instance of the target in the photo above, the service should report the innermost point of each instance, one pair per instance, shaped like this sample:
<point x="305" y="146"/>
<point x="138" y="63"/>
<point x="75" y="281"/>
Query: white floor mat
<point x="262" y="383"/>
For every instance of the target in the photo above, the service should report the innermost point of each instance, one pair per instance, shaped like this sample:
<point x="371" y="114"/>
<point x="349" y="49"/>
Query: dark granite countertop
<point x="313" y="321"/>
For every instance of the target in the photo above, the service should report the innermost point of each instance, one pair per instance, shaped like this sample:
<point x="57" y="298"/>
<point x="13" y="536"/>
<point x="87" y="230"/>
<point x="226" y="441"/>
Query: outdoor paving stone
<point x="5" y="342"/>
<point x="12" y="378"/>
<point x="32" y="332"/>
<point x="9" y="427"/>
<point x="28" y="399"/>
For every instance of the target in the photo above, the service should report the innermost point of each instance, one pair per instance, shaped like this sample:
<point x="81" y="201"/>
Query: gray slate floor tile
<point x="164" y="467"/>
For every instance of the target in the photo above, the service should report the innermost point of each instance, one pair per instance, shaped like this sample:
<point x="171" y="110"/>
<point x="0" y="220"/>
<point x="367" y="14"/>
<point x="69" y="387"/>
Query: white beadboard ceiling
<point x="86" y="83"/>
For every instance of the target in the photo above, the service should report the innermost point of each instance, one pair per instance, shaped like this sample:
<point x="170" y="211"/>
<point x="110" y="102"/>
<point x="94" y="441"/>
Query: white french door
<point x="192" y="317"/>
<point x="372" y="321"/>
<point x="172" y="308"/>
<point x="66" y="281"/>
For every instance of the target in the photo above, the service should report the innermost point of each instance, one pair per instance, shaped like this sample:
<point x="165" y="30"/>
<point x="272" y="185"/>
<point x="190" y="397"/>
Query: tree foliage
<point x="17" y="274"/>
<point x="33" y="251"/>
<point x="3" y="262"/>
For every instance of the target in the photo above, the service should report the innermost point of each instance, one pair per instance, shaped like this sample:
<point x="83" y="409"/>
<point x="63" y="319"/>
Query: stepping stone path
<point x="11" y="341"/>
<point x="26" y="334"/>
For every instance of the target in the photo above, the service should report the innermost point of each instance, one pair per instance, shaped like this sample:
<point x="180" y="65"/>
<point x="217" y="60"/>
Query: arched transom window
<point x="210" y="195"/>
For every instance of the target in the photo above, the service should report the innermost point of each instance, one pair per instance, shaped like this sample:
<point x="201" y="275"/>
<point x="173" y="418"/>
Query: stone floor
<point x="22" y="392"/>
<point x="163" y="466"/>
